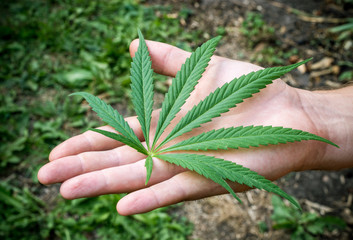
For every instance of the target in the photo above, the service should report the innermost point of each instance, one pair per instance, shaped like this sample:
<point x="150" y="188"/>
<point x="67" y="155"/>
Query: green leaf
<point x="76" y="78"/>
<point x="120" y="138"/>
<point x="149" y="166"/>
<point x="226" y="97"/>
<point x="110" y="116"/>
<point x="199" y="164"/>
<point x="142" y="86"/>
<point x="332" y="222"/>
<point x="344" y="27"/>
<point x="220" y="170"/>
<point x="184" y="83"/>
<point x="7" y="199"/>
<point x="244" y="137"/>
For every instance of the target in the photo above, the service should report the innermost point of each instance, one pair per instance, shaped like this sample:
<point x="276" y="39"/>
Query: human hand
<point x="91" y="164"/>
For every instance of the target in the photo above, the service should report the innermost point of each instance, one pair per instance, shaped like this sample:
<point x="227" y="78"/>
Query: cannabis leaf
<point x="184" y="83"/>
<point x="120" y="138"/>
<point x="142" y="87"/>
<point x="243" y="137"/>
<point x="216" y="103"/>
<point x="114" y="119"/>
<point x="220" y="170"/>
<point x="149" y="166"/>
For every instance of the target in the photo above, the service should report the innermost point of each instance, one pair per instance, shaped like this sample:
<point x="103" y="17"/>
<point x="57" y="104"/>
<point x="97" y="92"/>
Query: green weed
<point x="259" y="35"/>
<point x="302" y="225"/>
<point x="273" y="55"/>
<point x="255" y="29"/>
<point x="25" y="216"/>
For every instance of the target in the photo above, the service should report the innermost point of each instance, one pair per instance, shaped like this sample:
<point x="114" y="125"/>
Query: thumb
<point x="166" y="59"/>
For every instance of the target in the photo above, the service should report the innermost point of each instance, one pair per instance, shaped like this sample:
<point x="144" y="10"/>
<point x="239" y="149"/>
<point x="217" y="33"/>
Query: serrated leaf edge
<point x="149" y="167"/>
<point x="120" y="138"/>
<point x="183" y="84"/>
<point x="243" y="137"/>
<point x="227" y="172"/>
<point x="116" y="120"/>
<point x="142" y="87"/>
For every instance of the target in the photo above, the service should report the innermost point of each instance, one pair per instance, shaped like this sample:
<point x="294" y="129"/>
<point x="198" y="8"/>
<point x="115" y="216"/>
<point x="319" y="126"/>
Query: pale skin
<point x="91" y="164"/>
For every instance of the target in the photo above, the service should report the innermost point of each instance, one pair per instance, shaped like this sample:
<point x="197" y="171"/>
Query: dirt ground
<point x="298" y="24"/>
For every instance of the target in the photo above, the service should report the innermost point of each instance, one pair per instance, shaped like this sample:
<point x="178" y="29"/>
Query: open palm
<point x="91" y="164"/>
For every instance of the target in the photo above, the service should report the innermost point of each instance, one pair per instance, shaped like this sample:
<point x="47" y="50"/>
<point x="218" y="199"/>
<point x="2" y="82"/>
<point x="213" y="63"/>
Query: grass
<point x="29" y="217"/>
<point x="257" y="33"/>
<point x="302" y="225"/>
<point x="49" y="49"/>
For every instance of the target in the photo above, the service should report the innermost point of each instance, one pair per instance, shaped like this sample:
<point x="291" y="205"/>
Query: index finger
<point x="166" y="59"/>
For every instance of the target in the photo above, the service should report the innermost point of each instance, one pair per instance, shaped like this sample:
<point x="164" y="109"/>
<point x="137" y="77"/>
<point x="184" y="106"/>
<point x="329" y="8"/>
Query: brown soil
<point x="298" y="24"/>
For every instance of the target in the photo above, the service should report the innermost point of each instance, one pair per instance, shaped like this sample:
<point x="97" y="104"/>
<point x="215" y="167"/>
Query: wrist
<point x="331" y="113"/>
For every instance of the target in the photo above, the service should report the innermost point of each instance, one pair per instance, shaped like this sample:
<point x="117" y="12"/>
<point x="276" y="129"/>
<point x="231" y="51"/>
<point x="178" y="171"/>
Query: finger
<point x="91" y="141"/>
<point x="68" y="167"/>
<point x="120" y="179"/>
<point x="166" y="59"/>
<point x="182" y="187"/>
